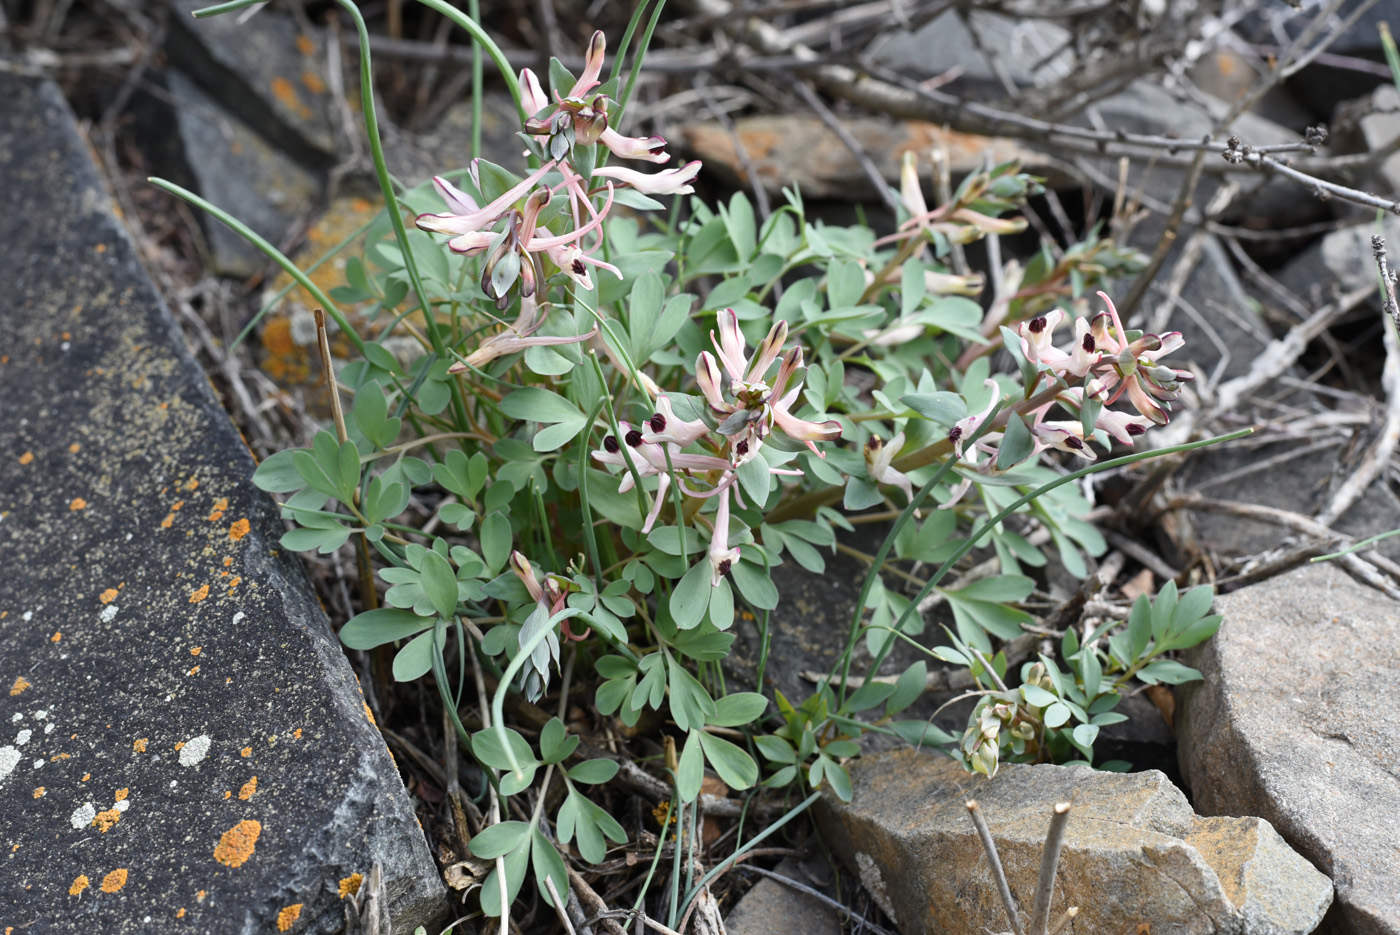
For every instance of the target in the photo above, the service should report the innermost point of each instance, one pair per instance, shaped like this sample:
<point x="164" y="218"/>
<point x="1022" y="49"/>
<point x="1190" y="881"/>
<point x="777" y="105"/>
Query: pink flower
<point x="517" y="337"/>
<point x="964" y="427"/>
<point x="722" y="557"/>
<point x="648" y="149"/>
<point x="666" y="426"/>
<point x="1035" y="344"/>
<point x="667" y="182"/>
<point x="649" y="459"/>
<point x="879" y="455"/>
<point x="1131" y="366"/>
<point x="470" y="219"/>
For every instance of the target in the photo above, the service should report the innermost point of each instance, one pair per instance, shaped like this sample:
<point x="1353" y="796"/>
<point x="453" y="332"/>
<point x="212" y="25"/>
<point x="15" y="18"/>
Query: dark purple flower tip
<point x="873" y="443"/>
<point x="1088" y="343"/>
<point x="611" y="446"/>
<point x="1135" y="429"/>
<point x="1037" y="325"/>
<point x="1074" y="443"/>
<point x="724" y="565"/>
<point x="742" y="448"/>
<point x="657" y="422"/>
<point x="633" y="438"/>
<point x="955" y="434"/>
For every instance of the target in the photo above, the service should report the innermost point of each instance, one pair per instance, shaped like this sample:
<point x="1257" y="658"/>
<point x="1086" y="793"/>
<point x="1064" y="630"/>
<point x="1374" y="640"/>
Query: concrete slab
<point x="182" y="742"/>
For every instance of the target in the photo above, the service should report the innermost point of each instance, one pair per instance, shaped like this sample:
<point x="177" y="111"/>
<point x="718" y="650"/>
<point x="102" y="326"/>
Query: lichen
<point x="237" y="844"/>
<point x="288" y="916"/>
<point x="114" y="880"/>
<point x="349" y="886"/>
<point x="80" y="883"/>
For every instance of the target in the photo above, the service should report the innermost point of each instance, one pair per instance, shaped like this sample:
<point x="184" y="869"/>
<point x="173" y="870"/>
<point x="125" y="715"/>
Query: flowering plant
<point x="606" y="473"/>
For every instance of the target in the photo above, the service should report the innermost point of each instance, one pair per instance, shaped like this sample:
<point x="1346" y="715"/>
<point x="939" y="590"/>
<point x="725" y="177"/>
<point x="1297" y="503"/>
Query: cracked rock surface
<point x="1135" y="858"/>
<point x="1295" y="722"/>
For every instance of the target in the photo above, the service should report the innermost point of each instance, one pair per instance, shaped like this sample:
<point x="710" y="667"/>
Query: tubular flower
<point x="756" y="407"/>
<point x="1035" y="345"/>
<point x="665" y="426"/>
<point x="1131" y="366"/>
<point x="650" y="459"/>
<point x="666" y="182"/>
<point x="517" y="337"/>
<point x="549" y="600"/>
<point x="878" y="456"/>
<point x="470" y="219"/>
<point x="966" y="426"/>
<point x="722" y="557"/>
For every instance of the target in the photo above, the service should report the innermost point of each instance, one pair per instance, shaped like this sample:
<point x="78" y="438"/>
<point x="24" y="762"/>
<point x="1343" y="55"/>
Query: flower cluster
<point x="1108" y="362"/>
<point x="745" y="411"/>
<point x="508" y="230"/>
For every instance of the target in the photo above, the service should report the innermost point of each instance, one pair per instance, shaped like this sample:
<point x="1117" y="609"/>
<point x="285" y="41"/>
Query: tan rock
<point x="1134" y="855"/>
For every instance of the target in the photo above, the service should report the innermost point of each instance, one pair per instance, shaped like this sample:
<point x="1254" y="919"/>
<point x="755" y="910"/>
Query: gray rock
<point x="945" y="43"/>
<point x="1293" y="723"/>
<point x="261" y="68"/>
<point x="1337" y="262"/>
<point x="184" y="743"/>
<point x="238" y="170"/>
<point x="1135" y="856"/>
<point x="417" y="157"/>
<point x="774" y="908"/>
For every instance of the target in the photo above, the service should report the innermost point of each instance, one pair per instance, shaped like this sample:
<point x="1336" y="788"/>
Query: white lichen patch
<point x="238" y="616"/>
<point x="109" y="613"/>
<point x="874" y="884"/>
<point x="83" y="815"/>
<point x="194" y="750"/>
<point x="9" y="759"/>
<point x="16" y="717"/>
<point x="22" y="737"/>
<point x="122" y="806"/>
<point x="40" y="715"/>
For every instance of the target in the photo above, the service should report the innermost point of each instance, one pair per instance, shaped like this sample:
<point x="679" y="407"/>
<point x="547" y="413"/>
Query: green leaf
<point x="1140" y="626"/>
<point x="861" y="493"/>
<point x="517" y="866"/>
<point x="1037" y="696"/>
<point x="415" y="659"/>
<point x="839" y="780"/>
<point x="668" y="540"/>
<point x="753" y="581"/>
<point x="731" y="762"/>
<point x="439" y="583"/>
<point x="921" y="733"/>
<point x="737" y="709"/>
<point x="868" y="696"/>
<point x="495" y="538"/>
<point x="548" y="865"/>
<point x="556" y="743"/>
<point x="1056" y="715"/>
<point x="1192" y="607"/>
<point x="755" y="479"/>
<point x="1091" y="672"/>
<point x="488" y="747"/>
<point x="499" y="839"/>
<point x="1163" y="609"/>
<point x="907" y="688"/>
<point x="722" y="605"/>
<point x="944" y="408"/>
<point x="690" y="599"/>
<point x="383" y="625"/>
<point x="690" y="770"/>
<point x="1017" y="443"/>
<point x="533" y="404"/>
<point x="1168" y="671"/>
<point x="775" y="749"/>
<point x="278" y="474"/>
<point x="594" y="772"/>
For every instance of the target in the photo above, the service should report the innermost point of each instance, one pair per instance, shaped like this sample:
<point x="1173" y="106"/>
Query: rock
<point x="1293" y="723"/>
<point x="774" y="908"/>
<point x="1323" y="84"/>
<point x="264" y="70"/>
<point x="945" y="43"/>
<point x="1135" y="857"/>
<point x="1340" y="261"/>
<point x="183" y="740"/>
<point x="1379" y="126"/>
<point x="226" y="162"/>
<point x="796" y="148"/>
<point x="417" y="157"/>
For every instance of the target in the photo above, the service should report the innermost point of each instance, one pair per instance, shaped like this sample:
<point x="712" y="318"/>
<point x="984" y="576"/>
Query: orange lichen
<point x="26" y="458"/>
<point x="218" y="512"/>
<point x="78" y="503"/>
<point x="313" y="82"/>
<point x="199" y="896"/>
<point x="237" y="843"/>
<point x="86" y="776"/>
<point x="39" y="792"/>
<point x="179" y="745"/>
<point x="180" y="914"/>
<point x="196" y="650"/>
<point x="249" y="787"/>
<point x="228" y="794"/>
<point x="105" y="820"/>
<point x="139" y="746"/>
<point x="114" y="880"/>
<point x="20" y="685"/>
<point x="168" y="521"/>
<point x="200" y="595"/>
<point x="75" y="448"/>
<point x="305" y="46"/>
<point x="57" y="635"/>
<point x="80" y="883"/>
<point x="238" y="530"/>
<point x="297" y="733"/>
<point x="350" y="885"/>
<point x="235" y="582"/>
<point x="288" y="916"/>
<point x="194" y="671"/>
<point x="121" y="795"/>
<point x="102" y="248"/>
<point x="108" y="596"/>
<point x="191" y="484"/>
<point x="228" y="560"/>
<point x="61" y="756"/>
<point x="369" y="714"/>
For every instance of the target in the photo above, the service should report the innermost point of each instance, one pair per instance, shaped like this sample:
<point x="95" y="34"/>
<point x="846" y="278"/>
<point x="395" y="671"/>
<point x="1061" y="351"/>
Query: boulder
<point x="1293" y="723"/>
<point x="183" y="744"/>
<point x="1135" y="857"/>
<point x="774" y="908"/>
